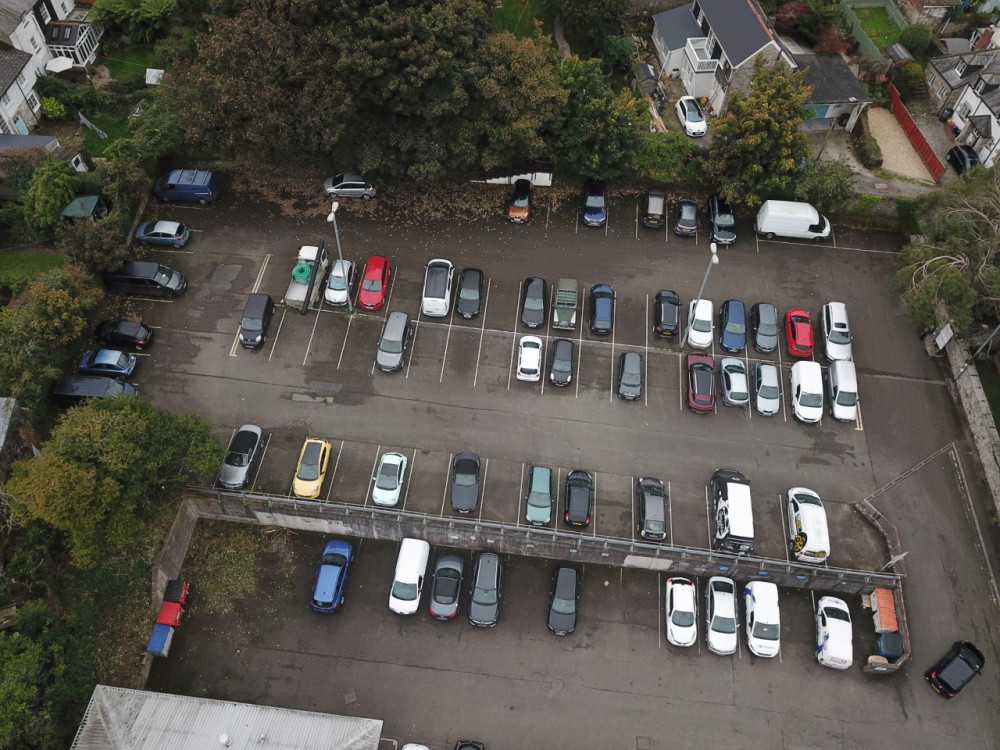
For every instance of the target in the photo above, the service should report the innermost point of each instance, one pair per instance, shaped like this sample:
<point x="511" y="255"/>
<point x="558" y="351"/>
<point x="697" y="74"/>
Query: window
<point x="20" y="78"/>
<point x="979" y="86"/>
<point x="34" y="44"/>
<point x="44" y="12"/>
<point x="63" y="6"/>
<point x="4" y="127"/>
<point x="961" y="68"/>
<point x="5" y="99"/>
<point x="33" y="101"/>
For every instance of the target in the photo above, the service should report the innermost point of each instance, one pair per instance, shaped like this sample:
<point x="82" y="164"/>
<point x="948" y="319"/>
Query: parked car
<point x="722" y="219"/>
<point x="720" y="616"/>
<point x="338" y="288"/>
<point x="311" y="469"/>
<point x="374" y="283"/>
<point x="666" y="314"/>
<point x="733" y="326"/>
<point x="564" y="600"/>
<point x="962" y="158"/>
<point x="701" y="323"/>
<point x="806" y="381"/>
<point x="519" y="209"/>
<point x="682" y="612"/>
<point x="257" y="314"/>
<point x="763" y="618"/>
<point x="579" y="498"/>
<point x="651" y="500"/>
<point x="408" y="578"/>
<point x="836" y="331"/>
<point x="436" y="300"/>
<point x="602" y="309"/>
<point x="687" y="218"/>
<point x="735" y="383"/>
<point x="131" y="333"/>
<point x="630" y="376"/>
<point x="348" y="185"/>
<point x="529" y="359"/>
<point x="112" y="362"/>
<point x="540" y="496"/>
<point x="691" y="117"/>
<point x="392" y="343"/>
<point x="701" y="382"/>
<point x="446" y="587"/>
<point x="240" y="456"/>
<point x="465" y="482"/>
<point x="956" y="669"/>
<point x="595" y="204"/>
<point x="533" y="303"/>
<point x="470" y="293"/>
<point x="764" y="324"/>
<point x="487" y="579"/>
<point x="766" y="389"/>
<point x="561" y="362"/>
<point x="808" y="532"/>
<point x="834" y="637"/>
<point x="469" y="745"/>
<point x="654" y="214"/>
<point x="799" y="332"/>
<point x="169" y="233"/>
<point x="388" y="479"/>
<point x="331" y="578"/>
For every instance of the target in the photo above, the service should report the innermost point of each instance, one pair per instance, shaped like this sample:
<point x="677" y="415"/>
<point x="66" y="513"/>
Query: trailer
<point x="307" y="277"/>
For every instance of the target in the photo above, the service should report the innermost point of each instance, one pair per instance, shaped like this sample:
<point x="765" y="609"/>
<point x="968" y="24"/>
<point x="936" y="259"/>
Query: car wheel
<point x="817" y="239"/>
<point x="178" y="246"/>
<point x="769" y="235"/>
<point x="366" y="197"/>
<point x="202" y="202"/>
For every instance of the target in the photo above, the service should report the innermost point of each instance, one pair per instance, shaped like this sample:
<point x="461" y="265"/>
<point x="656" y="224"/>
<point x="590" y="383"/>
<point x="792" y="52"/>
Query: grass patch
<point x="990" y="379"/>
<point x="881" y="29"/>
<point x="17" y="269"/>
<point x="128" y="63"/>
<point x="518" y="18"/>
<point x="115" y="126"/>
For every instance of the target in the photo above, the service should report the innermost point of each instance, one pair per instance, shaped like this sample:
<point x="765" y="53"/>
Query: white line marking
<point x="447" y="478"/>
<point x="482" y="332"/>
<point x="371" y="475"/>
<point x="333" y="476"/>
<point x="274" y="342"/>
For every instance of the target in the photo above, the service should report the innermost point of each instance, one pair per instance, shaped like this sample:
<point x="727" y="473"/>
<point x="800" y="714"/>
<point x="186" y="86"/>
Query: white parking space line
<point x="593" y="519"/>
<point x="611" y="386"/>
<point x="659" y="609"/>
<point x="260" y="274"/>
<point x="336" y="465"/>
<point x="746" y="360"/>
<point x="447" y="340"/>
<point x="409" y="478"/>
<point x="548" y="210"/>
<point x="784" y="528"/>
<point x="645" y="358"/>
<point x="517" y="318"/>
<point x="388" y="297"/>
<point x="579" y="355"/>
<point x="510" y="369"/>
<point x="520" y="494"/>
<point x="632" y="481"/>
<point x="312" y="334"/>
<point x="858" y="423"/>
<point x="708" y="517"/>
<point x="153" y="299"/>
<point x="482" y="489"/>
<point x="482" y="332"/>
<point x="680" y="374"/>
<point x="371" y="474"/>
<point x="447" y="478"/>
<point x="274" y="341"/>
<point x="260" y="463"/>
<point x="637" y="218"/>
<point x="670" y="512"/>
<point x="413" y="347"/>
<point x="343" y="346"/>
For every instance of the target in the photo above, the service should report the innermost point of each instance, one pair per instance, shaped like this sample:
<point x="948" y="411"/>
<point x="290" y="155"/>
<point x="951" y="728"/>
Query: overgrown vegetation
<point x="17" y="270"/>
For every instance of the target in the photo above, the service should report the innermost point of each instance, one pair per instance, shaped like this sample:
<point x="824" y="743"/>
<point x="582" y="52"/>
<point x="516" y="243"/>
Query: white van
<point x="842" y="385"/>
<point x="733" y="512"/>
<point x="807" y="392"/>
<point x="791" y="219"/>
<point x="411" y="567"/>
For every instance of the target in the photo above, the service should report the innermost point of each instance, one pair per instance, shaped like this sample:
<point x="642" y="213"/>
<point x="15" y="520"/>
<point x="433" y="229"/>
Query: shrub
<point x="916" y="37"/>
<point x="53" y="109"/>
<point x="867" y="150"/>
<point x="909" y="211"/>
<point x="908" y="79"/>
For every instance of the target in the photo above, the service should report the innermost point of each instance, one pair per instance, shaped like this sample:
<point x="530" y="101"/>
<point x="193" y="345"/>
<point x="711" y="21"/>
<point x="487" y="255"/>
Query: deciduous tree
<point x="53" y="186"/>
<point x="825" y="184"/>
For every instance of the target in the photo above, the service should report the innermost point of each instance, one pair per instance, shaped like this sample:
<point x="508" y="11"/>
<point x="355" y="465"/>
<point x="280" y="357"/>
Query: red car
<point x="799" y="332"/>
<point x="701" y="382"/>
<point x="374" y="283"/>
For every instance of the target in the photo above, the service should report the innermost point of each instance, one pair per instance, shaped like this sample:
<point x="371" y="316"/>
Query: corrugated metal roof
<point x="123" y="719"/>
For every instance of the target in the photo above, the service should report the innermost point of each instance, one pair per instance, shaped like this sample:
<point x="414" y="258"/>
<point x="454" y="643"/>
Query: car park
<point x="168" y="233"/>
<point x="311" y="469"/>
<point x="243" y="450"/>
<point x="595" y="204"/>
<point x="446" y="587"/>
<point x="602" y="309"/>
<point x="764" y="325"/>
<point x="392" y="343"/>
<point x="701" y="323"/>
<point x="807" y="392"/>
<point x="539" y="499"/>
<point x="733" y="326"/>
<point x="962" y="158"/>
<point x="766" y="389"/>
<point x="799" y="333"/>
<point x="735" y="383"/>
<point x="721" y="634"/>
<point x="836" y="331"/>
<point x="408" y="578"/>
<point x="470" y="293"/>
<point x="465" y="482"/>
<point x="682" y="611"/>
<point x="436" y="300"/>
<point x="763" y="618"/>
<point x="561" y="362"/>
<point x="257" y="313"/>
<point x="687" y="217"/>
<point x="331" y="578"/>
<point x="388" y="479"/>
<point x="690" y="116"/>
<point x="652" y="505"/>
<point x="338" y="287"/>
<point x="374" y="283"/>
<point x="348" y="185"/>
<point x="808" y="532"/>
<point x="564" y="600"/>
<point x="654" y="214"/>
<point x="722" y="219"/>
<point x="834" y="634"/>
<point x="533" y="302"/>
<point x="133" y="334"/>
<point x="529" y="359"/>
<point x="956" y="669"/>
<point x="519" y="208"/>
<point x="666" y="314"/>
<point x="842" y="388"/>
<point x="111" y="362"/>
<point x="579" y="498"/>
<point x="700" y="382"/>
<point x="630" y="376"/>
<point x="487" y="580"/>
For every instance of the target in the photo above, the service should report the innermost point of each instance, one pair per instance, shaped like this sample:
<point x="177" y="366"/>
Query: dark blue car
<point x="602" y="309"/>
<point x="595" y="204"/>
<point x="331" y="578"/>
<point x="733" y="326"/>
<point x="109" y="362"/>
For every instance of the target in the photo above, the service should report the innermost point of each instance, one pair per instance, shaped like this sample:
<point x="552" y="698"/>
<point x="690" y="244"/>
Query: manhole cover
<point x="557" y="685"/>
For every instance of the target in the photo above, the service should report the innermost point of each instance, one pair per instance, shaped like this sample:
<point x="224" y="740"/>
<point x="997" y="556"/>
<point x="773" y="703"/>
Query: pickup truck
<point x="567" y="300"/>
<point x="307" y="277"/>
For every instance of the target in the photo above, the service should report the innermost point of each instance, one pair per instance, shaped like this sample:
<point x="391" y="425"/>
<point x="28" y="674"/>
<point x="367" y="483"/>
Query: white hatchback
<point x="437" y="288"/>
<point x="529" y="359"/>
<point x="701" y="322"/>
<point x="389" y="479"/>
<point x="836" y="331"/>
<point x="721" y="634"/>
<point x="682" y="612"/>
<point x="763" y="618"/>
<point x="834" y="637"/>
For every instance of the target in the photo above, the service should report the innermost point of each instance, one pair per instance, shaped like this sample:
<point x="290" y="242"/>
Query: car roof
<point x="700" y="358"/>
<point x="684" y="593"/>
<point x="375" y="263"/>
<point x="245" y="438"/>
<point x="106" y="356"/>
<point x="566" y="577"/>
<point x="703" y="306"/>
<point x="601" y="289"/>
<point x="339" y="265"/>
<point x="166" y="226"/>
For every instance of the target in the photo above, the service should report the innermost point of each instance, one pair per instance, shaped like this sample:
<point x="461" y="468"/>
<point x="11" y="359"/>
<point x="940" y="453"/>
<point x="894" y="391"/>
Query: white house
<point x="977" y="116"/>
<point x="19" y="104"/>
<point x="49" y="29"/>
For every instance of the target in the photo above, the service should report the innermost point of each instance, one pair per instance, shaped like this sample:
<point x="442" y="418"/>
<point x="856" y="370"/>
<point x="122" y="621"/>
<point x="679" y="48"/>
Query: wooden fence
<point x="924" y="150"/>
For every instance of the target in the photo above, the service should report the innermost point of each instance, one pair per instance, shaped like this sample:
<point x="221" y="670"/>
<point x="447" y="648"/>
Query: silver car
<point x="242" y="453"/>
<point x="766" y="389"/>
<point x="735" y="384"/>
<point x="393" y="342"/>
<point x="349" y="185"/>
<point x="338" y="288"/>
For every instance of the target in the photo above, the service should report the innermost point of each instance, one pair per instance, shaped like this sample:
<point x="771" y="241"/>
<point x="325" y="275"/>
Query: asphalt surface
<point x="615" y="681"/>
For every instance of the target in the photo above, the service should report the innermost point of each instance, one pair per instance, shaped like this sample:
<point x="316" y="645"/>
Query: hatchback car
<point x="666" y="314"/>
<point x="834" y="636"/>
<point x="533" y="302"/>
<point x="595" y="204"/>
<point x="170" y="233"/>
<point x="766" y="389"/>
<point x="111" y="362"/>
<point x="955" y="669"/>
<point x="487" y="579"/>
<point x="651" y="501"/>
<point x="348" y="185"/>
<point x="722" y="219"/>
<point x="808" y="531"/>
<point x="446" y="587"/>
<point x="331" y="578"/>
<point x="388" y="479"/>
<point x="701" y="323"/>
<point x="311" y="470"/>
<point x="630" y="376"/>
<point x="519" y="208"/>
<point x="763" y="618"/>
<point x="470" y="293"/>
<point x="836" y="331"/>
<point x="240" y="456"/>
<point x="687" y="218"/>
<point x="799" y="332"/>
<point x="338" y="287"/>
<point x="465" y="482"/>
<point x="436" y="299"/>
<point x="564" y="600"/>
<point x="733" y="326"/>
<point x="579" y="498"/>
<point x="561" y="362"/>
<point x="735" y="382"/>
<point x="720" y="616"/>
<point x="682" y="612"/>
<point x="374" y="283"/>
<point x="764" y="324"/>
<point x="654" y="214"/>
<point x="602" y="309"/>
<point x="962" y="158"/>
<point x="540" y="496"/>
<point x="529" y="359"/>
<point x="701" y="382"/>
<point x="130" y="333"/>
<point x="691" y="117"/>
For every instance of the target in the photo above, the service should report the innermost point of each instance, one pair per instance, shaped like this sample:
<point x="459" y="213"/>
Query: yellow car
<point x="312" y="467"/>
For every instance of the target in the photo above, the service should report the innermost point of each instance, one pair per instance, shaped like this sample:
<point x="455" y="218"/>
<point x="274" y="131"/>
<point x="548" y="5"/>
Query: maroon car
<point x="701" y="382"/>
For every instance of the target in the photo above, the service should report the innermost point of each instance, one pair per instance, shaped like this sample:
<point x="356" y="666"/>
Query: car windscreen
<point x="766" y="631"/>
<point x="533" y="300"/>
<point x="682" y="618"/>
<point x="390" y="345"/>
<point x="337" y="283"/>
<point x="846" y="398"/>
<point x="723" y="624"/>
<point x="769" y="391"/>
<point x="632" y="372"/>
<point x="485" y="595"/>
<point x="237" y="459"/>
<point x="839" y="336"/>
<point x="470" y="289"/>
<point x="334" y="559"/>
<point x="406" y="592"/>
<point x="812" y="400"/>
<point x="465" y="474"/>
<point x="309" y="466"/>
<point x="386" y="477"/>
<point x="563" y="606"/>
<point x="702" y="325"/>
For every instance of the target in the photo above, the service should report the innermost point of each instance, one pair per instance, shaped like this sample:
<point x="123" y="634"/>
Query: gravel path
<point x="898" y="154"/>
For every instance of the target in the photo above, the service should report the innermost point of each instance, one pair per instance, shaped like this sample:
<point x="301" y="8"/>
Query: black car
<point x="469" y="745"/>
<point x="630" y="376"/>
<point x="955" y="669"/>
<point x="564" y="600"/>
<point x="722" y="219"/>
<point x="484" y="603"/>
<point x="533" y="304"/>
<point x="579" y="498"/>
<point x="595" y="204"/>
<point x="561" y="362"/>
<point x="687" y="218"/>
<point x="655" y="214"/>
<point x="470" y="293"/>
<point x="446" y="587"/>
<point x="667" y="314"/>
<point x="602" y="309"/>
<point x="129" y="333"/>
<point x="465" y="482"/>
<point x="733" y="326"/>
<point x="962" y="158"/>
<point x="764" y="325"/>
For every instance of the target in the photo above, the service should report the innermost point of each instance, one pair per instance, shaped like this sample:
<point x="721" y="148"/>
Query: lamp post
<point x="713" y="261"/>
<point x="332" y="219"/>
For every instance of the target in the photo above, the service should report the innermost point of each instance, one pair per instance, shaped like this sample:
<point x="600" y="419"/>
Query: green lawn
<point x="878" y="26"/>
<point x="17" y="269"/>
<point x="113" y="125"/>
<point x="128" y="63"/>
<point x="519" y="17"/>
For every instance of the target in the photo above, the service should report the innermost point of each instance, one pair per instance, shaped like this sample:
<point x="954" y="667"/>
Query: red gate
<point x="924" y="150"/>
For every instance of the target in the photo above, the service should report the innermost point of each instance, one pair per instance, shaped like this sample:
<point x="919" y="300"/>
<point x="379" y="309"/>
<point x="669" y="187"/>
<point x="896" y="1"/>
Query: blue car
<point x="170" y="233"/>
<point x="331" y="578"/>
<point x="595" y="204"/>
<point x="602" y="309"/>
<point x="109" y="362"/>
<point x="733" y="326"/>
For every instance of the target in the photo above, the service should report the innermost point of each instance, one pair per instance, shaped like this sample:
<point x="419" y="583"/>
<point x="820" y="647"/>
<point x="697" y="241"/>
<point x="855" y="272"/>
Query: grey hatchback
<point x="561" y="362"/>
<point x="447" y="587"/>
<point x="564" y="601"/>
<point x="484" y="607"/>
<point x="348" y="185"/>
<point x="540" y="496"/>
<point x="630" y="376"/>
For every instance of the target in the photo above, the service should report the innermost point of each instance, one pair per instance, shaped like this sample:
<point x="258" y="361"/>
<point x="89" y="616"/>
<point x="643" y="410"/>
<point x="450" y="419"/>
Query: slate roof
<point x="12" y="62"/>
<point x="831" y="79"/>
<point x="740" y="26"/>
<point x="11" y="13"/>
<point x="977" y="62"/>
<point x="676" y="26"/>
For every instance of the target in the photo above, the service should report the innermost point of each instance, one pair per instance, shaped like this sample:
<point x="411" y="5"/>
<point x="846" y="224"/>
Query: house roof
<point x="17" y="141"/>
<point x="831" y="79"/>
<point x="11" y="14"/>
<point x="740" y="26"/>
<point x="983" y="124"/>
<point x="676" y="26"/>
<point x="980" y="61"/>
<point x="12" y="62"/>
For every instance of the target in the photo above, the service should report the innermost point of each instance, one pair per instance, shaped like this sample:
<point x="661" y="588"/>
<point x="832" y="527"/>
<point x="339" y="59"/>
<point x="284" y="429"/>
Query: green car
<point x="540" y="496"/>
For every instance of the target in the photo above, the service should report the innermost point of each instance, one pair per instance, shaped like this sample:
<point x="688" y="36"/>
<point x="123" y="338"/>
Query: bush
<point x="908" y="79"/>
<point x="53" y="109"/>
<point x="916" y="38"/>
<point x="867" y="150"/>
<point x="73" y="96"/>
<point x="617" y="52"/>
<point x="909" y="211"/>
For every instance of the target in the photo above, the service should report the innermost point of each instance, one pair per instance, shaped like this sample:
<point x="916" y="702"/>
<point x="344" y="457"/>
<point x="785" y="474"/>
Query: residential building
<point x="49" y="29"/>
<point x="19" y="104"/>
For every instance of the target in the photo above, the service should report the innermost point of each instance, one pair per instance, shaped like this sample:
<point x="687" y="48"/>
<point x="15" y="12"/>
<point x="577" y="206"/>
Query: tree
<point x="825" y="184"/>
<point x="136" y="21"/>
<point x="591" y="20"/>
<point x="94" y="245"/>
<point x="757" y="146"/>
<point x="916" y="37"/>
<point x="53" y="186"/>
<point x="668" y="157"/>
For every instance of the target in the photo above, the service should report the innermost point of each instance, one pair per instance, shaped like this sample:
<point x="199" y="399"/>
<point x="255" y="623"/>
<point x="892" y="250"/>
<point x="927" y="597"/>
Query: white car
<point x="529" y="359"/>
<point x="691" y="117"/>
<point x="807" y="392"/>
<point x="808" y="532"/>
<point x="766" y="389"/>
<point x="437" y="288"/>
<point x="735" y="383"/>
<point x="763" y="618"/>
<point x="389" y="479"/>
<point x="682" y="612"/>
<point x="701" y="319"/>
<point x="338" y="288"/>
<point x="720" y="616"/>
<point x="834" y="637"/>
<point x="836" y="331"/>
